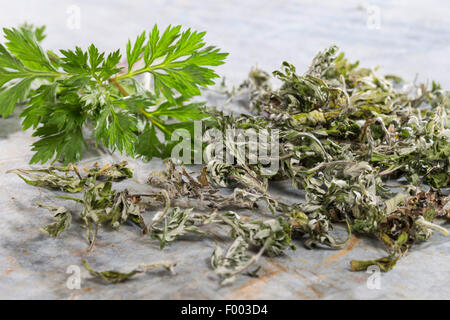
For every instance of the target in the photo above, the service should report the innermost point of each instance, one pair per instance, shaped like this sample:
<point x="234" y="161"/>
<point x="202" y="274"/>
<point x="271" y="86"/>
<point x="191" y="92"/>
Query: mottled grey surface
<point x="413" y="38"/>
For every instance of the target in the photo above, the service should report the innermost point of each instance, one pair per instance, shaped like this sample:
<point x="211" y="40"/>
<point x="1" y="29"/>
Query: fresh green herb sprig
<point x="75" y="89"/>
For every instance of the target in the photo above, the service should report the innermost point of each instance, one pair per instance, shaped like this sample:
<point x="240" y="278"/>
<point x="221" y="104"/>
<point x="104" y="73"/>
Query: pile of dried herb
<point x="345" y="134"/>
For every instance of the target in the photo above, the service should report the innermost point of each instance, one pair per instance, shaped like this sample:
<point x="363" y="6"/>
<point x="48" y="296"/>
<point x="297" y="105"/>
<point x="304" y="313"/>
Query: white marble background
<point x="413" y="36"/>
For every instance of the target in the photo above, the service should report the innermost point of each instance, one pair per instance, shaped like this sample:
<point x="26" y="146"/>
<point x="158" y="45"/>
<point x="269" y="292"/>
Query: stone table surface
<point x="408" y="38"/>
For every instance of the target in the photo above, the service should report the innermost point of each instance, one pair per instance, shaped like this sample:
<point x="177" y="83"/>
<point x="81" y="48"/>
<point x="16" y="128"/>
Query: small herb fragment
<point x="113" y="276"/>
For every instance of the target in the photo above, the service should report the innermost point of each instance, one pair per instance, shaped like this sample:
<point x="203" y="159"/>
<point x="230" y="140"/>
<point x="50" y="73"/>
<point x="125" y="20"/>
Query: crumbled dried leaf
<point x="113" y="276"/>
